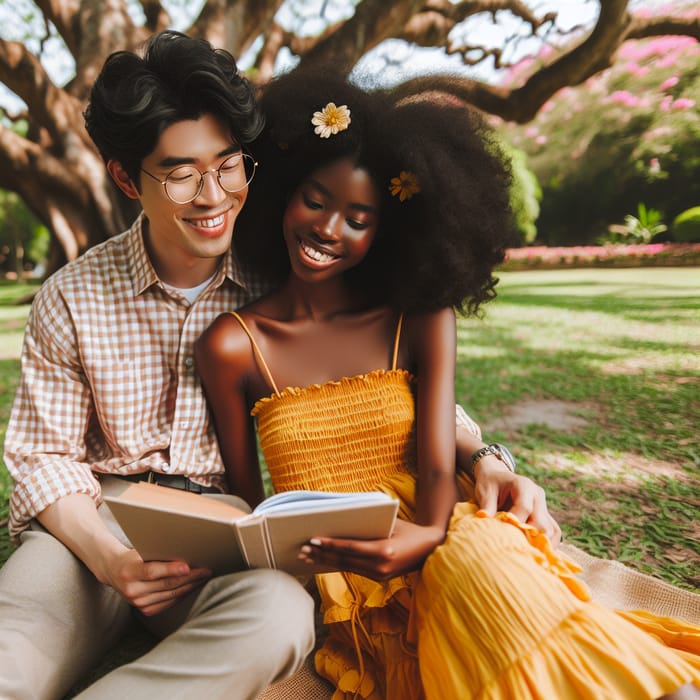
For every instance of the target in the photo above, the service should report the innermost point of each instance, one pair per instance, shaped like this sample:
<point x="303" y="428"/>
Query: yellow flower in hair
<point x="404" y="186"/>
<point x="331" y="119"/>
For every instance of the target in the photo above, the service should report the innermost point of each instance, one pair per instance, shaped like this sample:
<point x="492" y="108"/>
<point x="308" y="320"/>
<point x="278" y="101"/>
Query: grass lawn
<point x="591" y="376"/>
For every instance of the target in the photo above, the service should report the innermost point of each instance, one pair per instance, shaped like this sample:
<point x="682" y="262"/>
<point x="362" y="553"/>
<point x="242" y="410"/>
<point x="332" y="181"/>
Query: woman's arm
<point x="432" y="339"/>
<point x="225" y="363"/>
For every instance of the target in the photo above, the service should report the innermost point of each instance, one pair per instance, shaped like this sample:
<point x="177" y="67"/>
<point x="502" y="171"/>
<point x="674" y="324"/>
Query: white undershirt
<point x="191" y="293"/>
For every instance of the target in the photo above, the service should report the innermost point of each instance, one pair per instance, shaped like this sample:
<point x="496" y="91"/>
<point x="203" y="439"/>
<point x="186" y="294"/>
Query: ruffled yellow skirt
<point x="494" y="613"/>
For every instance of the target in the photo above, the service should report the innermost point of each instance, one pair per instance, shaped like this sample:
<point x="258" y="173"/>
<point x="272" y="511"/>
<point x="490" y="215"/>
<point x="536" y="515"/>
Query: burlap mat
<point x="617" y="586"/>
<point x="612" y="585"/>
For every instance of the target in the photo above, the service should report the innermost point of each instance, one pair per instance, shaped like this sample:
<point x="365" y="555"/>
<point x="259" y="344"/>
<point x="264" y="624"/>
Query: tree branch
<point x="209" y="24"/>
<point x="157" y="17"/>
<point x="104" y="26"/>
<point x="432" y="26"/>
<point x="645" y="27"/>
<point x="64" y="16"/>
<point x="520" y="104"/>
<point x="373" y="22"/>
<point x="49" y="106"/>
<point x="24" y="164"/>
<point x="460" y="11"/>
<point x="275" y="39"/>
<point x="235" y="24"/>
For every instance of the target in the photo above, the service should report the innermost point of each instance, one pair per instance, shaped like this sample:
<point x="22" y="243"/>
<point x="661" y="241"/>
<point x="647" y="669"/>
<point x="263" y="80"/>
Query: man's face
<point x="186" y="241"/>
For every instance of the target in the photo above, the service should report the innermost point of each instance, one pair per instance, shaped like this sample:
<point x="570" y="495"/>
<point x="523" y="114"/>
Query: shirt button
<point x="189" y="362"/>
<point x="165" y="467"/>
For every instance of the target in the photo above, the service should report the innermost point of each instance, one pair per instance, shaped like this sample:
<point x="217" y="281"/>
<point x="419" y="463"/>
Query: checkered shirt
<point x="108" y="379"/>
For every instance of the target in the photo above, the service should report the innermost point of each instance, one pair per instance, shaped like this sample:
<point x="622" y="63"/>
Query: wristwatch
<point x="499" y="451"/>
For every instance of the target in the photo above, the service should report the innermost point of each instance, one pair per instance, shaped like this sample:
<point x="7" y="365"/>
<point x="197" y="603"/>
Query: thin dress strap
<point x="396" y="342"/>
<point x="256" y="349"/>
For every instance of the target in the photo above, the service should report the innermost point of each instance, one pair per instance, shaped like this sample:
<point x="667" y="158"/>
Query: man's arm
<point x="45" y="455"/>
<point x="45" y="440"/>
<point x="496" y="487"/>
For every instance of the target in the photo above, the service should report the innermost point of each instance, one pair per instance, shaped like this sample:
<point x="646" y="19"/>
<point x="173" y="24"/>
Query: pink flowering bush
<point x="557" y="257"/>
<point x="629" y="134"/>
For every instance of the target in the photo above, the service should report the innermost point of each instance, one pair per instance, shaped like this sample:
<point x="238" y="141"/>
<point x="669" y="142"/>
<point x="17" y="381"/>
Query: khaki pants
<point x="230" y="639"/>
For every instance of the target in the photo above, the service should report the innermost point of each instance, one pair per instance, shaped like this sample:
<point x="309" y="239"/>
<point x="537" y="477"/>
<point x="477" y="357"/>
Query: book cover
<point x="165" y="524"/>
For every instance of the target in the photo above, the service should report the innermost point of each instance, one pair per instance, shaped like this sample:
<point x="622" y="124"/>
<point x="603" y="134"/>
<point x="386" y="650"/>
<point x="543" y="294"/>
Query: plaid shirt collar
<point x="144" y="275"/>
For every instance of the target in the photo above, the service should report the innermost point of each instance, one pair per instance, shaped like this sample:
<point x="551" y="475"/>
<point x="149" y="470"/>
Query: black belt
<point x="173" y="481"/>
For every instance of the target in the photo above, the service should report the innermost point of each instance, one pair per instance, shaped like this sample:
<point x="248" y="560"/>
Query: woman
<point x="392" y="215"/>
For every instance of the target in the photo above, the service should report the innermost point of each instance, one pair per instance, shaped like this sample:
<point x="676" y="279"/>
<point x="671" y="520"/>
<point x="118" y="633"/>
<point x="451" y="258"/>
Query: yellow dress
<point x="494" y="613"/>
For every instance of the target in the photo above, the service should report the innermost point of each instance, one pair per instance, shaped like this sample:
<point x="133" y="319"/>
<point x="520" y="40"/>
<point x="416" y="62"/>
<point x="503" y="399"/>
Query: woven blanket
<point x="612" y="584"/>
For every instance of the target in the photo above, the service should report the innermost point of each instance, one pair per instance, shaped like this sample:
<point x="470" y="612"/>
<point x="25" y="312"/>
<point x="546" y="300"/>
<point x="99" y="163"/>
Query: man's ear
<point x="124" y="182"/>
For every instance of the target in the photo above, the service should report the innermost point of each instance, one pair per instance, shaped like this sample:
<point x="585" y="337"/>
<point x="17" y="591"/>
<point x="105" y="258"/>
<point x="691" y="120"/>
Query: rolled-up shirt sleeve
<point x="465" y="421"/>
<point x="45" y="441"/>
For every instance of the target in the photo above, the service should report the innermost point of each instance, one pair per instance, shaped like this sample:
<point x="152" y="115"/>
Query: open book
<point x="165" y="524"/>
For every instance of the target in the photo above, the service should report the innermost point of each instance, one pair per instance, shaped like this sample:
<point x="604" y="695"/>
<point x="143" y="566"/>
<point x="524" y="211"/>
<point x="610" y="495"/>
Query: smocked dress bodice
<point x="346" y="435"/>
<point x="352" y="434"/>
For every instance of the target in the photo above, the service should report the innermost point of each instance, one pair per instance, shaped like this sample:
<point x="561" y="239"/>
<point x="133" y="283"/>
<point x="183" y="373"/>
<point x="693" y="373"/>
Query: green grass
<point x="13" y="316"/>
<point x="620" y="346"/>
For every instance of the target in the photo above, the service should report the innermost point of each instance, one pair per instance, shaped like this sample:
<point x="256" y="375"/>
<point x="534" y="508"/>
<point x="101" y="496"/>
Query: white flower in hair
<point x="331" y="119"/>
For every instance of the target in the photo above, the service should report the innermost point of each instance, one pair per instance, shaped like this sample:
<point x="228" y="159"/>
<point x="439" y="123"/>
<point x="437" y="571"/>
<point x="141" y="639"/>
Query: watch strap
<point x="494" y="449"/>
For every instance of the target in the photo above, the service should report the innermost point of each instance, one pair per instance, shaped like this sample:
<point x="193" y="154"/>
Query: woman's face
<point x="331" y="220"/>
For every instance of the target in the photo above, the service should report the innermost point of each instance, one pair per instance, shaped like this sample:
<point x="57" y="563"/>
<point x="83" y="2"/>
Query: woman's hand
<point x="497" y="488"/>
<point x="405" y="551"/>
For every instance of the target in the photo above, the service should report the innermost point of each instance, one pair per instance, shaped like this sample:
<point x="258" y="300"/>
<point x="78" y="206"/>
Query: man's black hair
<point x="135" y="98"/>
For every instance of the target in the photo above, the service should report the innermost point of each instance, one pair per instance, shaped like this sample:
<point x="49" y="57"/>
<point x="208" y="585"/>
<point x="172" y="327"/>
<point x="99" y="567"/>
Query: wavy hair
<point x="134" y="98"/>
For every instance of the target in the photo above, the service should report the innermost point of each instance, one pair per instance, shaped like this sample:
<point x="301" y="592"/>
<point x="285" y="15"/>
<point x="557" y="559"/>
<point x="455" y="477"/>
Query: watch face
<point x="506" y="456"/>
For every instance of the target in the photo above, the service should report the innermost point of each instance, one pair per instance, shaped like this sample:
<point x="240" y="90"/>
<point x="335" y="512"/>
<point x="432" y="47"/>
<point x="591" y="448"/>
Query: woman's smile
<point x="317" y="255"/>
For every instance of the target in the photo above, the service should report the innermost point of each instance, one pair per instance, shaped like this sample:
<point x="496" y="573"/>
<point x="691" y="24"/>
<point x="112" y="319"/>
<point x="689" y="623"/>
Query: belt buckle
<point x="150" y="478"/>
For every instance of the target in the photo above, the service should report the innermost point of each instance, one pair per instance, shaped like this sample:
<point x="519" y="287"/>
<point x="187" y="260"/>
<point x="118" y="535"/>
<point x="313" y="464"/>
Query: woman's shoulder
<point x="429" y="332"/>
<point x="225" y="339"/>
<point x="426" y="319"/>
<point x="267" y="306"/>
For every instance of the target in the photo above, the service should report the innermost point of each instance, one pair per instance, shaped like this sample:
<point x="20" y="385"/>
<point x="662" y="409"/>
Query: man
<point x="109" y="392"/>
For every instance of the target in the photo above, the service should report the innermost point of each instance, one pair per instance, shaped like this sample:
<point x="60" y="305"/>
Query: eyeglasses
<point x="185" y="183"/>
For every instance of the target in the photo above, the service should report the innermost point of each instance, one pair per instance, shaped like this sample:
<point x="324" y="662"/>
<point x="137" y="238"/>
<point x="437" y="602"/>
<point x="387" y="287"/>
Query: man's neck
<point x="176" y="268"/>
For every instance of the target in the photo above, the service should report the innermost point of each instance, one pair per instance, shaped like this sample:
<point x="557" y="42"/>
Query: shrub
<point x="686" y="226"/>
<point x="525" y="195"/>
<point x="611" y="255"/>
<point x="642" y="228"/>
<point x="629" y="134"/>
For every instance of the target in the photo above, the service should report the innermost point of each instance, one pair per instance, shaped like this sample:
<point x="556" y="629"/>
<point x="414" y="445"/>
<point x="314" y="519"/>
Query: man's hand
<point x="497" y="488"/>
<point x="149" y="586"/>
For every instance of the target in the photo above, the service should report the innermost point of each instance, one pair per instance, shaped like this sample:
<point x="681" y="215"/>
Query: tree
<point x="57" y="172"/>
<point x="23" y="241"/>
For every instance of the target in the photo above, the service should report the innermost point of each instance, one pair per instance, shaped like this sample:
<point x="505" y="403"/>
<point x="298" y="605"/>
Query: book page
<point x="294" y="501"/>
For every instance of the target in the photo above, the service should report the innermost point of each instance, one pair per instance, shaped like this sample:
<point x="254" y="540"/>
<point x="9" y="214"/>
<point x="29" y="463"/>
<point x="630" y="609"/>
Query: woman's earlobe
<point x="121" y="177"/>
